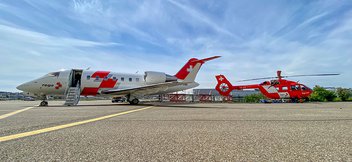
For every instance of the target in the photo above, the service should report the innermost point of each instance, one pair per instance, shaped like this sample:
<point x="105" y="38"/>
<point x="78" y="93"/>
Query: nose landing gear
<point x="43" y="103"/>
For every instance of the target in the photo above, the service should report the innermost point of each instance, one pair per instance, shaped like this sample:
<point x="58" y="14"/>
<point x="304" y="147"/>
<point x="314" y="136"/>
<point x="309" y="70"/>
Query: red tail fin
<point x="190" y="69"/>
<point x="224" y="87"/>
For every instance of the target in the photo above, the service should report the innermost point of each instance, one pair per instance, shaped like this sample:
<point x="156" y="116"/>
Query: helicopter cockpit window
<point x="304" y="87"/>
<point x="54" y="74"/>
<point x="298" y="87"/>
<point x="274" y="82"/>
<point x="293" y="87"/>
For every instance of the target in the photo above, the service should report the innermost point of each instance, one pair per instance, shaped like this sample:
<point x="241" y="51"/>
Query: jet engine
<point x="152" y="77"/>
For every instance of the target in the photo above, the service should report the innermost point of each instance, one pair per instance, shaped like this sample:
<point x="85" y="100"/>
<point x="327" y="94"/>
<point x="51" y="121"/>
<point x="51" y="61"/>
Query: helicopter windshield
<point x="298" y="87"/>
<point x="304" y="88"/>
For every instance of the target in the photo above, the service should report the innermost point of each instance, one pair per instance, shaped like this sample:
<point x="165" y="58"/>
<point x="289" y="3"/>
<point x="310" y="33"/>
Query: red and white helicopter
<point x="77" y="82"/>
<point x="277" y="88"/>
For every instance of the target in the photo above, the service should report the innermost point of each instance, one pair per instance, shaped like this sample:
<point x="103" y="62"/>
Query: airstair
<point x="74" y="88"/>
<point x="72" y="96"/>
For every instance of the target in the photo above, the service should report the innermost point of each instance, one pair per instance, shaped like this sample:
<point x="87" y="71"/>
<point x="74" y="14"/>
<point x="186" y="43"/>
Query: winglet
<point x="209" y="58"/>
<point x="189" y="71"/>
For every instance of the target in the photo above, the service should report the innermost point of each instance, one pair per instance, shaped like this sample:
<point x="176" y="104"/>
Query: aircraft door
<point x="75" y="78"/>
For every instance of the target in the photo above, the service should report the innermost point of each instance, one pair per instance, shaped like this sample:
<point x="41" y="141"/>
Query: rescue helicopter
<point x="276" y="88"/>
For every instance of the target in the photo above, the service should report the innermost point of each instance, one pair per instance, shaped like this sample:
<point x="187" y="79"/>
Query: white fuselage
<point x="92" y="83"/>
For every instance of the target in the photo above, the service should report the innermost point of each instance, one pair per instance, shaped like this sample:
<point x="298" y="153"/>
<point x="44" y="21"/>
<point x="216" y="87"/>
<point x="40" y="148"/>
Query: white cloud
<point x="201" y="18"/>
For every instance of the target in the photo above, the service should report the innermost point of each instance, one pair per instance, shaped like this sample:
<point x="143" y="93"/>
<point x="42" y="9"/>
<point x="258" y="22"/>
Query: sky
<point x="255" y="38"/>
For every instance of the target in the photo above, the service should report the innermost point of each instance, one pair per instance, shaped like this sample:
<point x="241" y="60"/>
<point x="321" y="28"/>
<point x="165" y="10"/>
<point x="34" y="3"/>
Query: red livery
<point x="277" y="88"/>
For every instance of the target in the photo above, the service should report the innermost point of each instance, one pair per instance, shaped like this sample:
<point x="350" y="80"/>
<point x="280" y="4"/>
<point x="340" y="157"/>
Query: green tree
<point x="343" y="93"/>
<point x="321" y="94"/>
<point x="254" y="98"/>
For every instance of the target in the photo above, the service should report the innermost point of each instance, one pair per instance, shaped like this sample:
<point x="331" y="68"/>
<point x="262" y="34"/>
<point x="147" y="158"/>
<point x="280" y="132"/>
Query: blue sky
<point x="255" y="38"/>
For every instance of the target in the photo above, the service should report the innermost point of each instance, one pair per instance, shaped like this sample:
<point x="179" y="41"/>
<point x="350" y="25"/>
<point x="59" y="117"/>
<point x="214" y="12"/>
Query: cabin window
<point x="130" y="79"/>
<point x="97" y="78"/>
<point x="284" y="88"/>
<point x="137" y="79"/>
<point x="114" y="78"/>
<point x="106" y="78"/>
<point x="88" y="77"/>
<point x="304" y="88"/>
<point x="122" y="79"/>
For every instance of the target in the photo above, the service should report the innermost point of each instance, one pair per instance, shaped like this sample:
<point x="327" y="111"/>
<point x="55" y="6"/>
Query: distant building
<point x="11" y="96"/>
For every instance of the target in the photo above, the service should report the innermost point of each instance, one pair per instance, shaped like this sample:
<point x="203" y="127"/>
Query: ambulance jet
<point x="77" y="82"/>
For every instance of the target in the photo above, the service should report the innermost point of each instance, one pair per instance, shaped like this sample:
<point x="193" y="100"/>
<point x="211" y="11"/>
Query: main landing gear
<point x="134" y="101"/>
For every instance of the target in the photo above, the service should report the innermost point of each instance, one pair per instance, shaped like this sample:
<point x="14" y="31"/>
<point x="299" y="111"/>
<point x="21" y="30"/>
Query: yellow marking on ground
<point x="15" y="112"/>
<point x="45" y="130"/>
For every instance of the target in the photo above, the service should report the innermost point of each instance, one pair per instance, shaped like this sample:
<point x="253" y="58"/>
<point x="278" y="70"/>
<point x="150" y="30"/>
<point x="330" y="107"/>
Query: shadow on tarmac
<point x="99" y="105"/>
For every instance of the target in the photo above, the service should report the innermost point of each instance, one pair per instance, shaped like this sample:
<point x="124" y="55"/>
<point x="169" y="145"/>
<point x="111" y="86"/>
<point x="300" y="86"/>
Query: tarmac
<point x="102" y="131"/>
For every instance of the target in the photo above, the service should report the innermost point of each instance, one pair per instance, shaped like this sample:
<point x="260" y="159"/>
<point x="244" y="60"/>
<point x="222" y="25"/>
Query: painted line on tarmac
<point x="15" y="112"/>
<point x="45" y="130"/>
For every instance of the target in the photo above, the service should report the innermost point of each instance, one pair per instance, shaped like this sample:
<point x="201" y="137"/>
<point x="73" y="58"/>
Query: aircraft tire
<point x="134" y="101"/>
<point x="43" y="103"/>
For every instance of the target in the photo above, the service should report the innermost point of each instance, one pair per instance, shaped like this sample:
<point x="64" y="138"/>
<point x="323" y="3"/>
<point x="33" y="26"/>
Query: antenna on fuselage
<point x="88" y="68"/>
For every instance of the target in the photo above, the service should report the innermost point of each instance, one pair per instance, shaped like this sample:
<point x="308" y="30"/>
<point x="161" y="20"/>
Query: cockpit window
<point x="298" y="87"/>
<point x="293" y="87"/>
<point x="304" y="87"/>
<point x="54" y="74"/>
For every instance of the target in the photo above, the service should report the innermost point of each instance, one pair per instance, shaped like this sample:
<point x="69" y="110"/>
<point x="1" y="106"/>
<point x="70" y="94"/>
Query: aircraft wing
<point x="144" y="90"/>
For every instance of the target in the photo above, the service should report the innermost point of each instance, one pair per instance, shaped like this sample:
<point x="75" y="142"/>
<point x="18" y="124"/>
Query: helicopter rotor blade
<point x="256" y="79"/>
<point x="305" y="75"/>
<point x="288" y="76"/>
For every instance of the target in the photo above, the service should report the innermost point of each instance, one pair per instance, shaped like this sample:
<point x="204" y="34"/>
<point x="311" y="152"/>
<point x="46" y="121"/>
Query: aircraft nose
<point x="22" y="87"/>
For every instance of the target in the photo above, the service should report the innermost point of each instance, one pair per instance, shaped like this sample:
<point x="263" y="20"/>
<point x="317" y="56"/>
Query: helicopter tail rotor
<point x="224" y="87"/>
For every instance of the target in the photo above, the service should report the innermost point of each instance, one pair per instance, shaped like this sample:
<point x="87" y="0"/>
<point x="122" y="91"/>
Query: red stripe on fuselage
<point x="108" y="83"/>
<point x="105" y="83"/>
<point x="89" y="91"/>
<point x="101" y="74"/>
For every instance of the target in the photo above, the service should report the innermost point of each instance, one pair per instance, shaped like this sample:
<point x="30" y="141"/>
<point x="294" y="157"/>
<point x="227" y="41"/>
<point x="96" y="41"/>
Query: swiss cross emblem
<point x="221" y="78"/>
<point x="58" y="85"/>
<point x="190" y="68"/>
